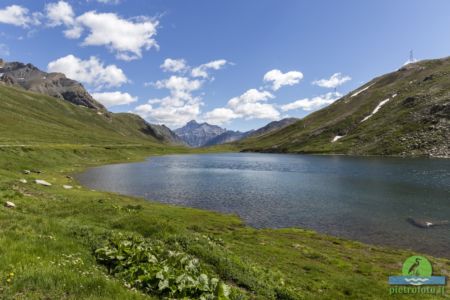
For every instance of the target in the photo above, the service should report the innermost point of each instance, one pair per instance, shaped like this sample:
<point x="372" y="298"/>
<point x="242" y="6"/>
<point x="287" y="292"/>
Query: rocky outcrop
<point x="163" y="133"/>
<point x="56" y="85"/>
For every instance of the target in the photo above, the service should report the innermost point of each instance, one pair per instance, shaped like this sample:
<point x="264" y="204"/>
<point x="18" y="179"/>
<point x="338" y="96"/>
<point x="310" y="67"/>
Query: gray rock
<point x="42" y="182"/>
<point x="10" y="204"/>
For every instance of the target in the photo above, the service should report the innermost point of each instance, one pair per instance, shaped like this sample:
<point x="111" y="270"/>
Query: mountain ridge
<point x="57" y="85"/>
<point x="405" y="112"/>
<point x="198" y="134"/>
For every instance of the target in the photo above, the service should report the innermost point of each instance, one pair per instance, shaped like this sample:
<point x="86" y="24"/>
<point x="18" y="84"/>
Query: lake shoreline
<point x="378" y="243"/>
<point x="78" y="219"/>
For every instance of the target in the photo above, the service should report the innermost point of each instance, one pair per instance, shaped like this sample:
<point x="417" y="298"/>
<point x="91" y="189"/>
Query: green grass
<point x="35" y="119"/>
<point x="48" y="241"/>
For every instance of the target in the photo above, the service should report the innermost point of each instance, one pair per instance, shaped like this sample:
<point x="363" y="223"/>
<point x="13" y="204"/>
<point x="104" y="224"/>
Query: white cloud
<point x="250" y="96"/>
<point x="18" y="16"/>
<point x="177" y="108"/>
<point x="334" y="81"/>
<point x="220" y="116"/>
<point x="91" y="71"/>
<point x="110" y="99"/>
<point x="250" y="105"/>
<point x="127" y="38"/>
<point x="279" y="79"/>
<point x="174" y="65"/>
<point x="170" y="111"/>
<point x="309" y="104"/>
<point x="179" y="86"/>
<point x="59" y="13"/>
<point x="202" y="70"/>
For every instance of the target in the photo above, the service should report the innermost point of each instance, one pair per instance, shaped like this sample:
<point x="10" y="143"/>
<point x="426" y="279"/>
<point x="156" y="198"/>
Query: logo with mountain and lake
<point x="417" y="278"/>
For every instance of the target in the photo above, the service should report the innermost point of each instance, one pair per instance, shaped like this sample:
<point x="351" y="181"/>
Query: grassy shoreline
<point x="47" y="242"/>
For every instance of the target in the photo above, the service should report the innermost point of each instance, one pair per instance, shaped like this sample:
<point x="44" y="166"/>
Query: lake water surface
<point x="361" y="198"/>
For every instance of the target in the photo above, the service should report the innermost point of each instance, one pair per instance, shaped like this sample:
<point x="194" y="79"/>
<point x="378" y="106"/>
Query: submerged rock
<point x="42" y="182"/>
<point x="422" y="223"/>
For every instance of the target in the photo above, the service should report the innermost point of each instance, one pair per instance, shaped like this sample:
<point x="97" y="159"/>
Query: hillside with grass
<point x="406" y="112"/>
<point x="33" y="119"/>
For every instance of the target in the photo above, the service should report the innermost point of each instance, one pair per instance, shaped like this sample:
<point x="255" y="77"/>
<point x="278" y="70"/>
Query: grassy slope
<point x="46" y="242"/>
<point x="400" y="127"/>
<point x="36" y="119"/>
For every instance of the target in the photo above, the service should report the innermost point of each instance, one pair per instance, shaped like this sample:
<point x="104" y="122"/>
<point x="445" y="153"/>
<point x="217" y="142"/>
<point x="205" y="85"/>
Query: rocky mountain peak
<point x="198" y="135"/>
<point x="57" y="85"/>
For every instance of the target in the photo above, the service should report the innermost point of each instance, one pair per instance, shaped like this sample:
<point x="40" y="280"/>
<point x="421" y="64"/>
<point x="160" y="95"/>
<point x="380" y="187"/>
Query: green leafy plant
<point x="154" y="269"/>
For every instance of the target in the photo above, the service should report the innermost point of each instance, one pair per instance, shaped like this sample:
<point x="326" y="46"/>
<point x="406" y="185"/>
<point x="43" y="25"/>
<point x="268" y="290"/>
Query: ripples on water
<point x="362" y="198"/>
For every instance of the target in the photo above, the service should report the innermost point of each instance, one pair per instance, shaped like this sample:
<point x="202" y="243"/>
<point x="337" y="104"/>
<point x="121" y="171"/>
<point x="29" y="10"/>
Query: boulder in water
<point x="424" y="223"/>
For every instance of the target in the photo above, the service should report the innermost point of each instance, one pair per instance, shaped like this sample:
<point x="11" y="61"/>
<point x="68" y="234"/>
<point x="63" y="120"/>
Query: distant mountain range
<point x="406" y="112"/>
<point x="203" y="134"/>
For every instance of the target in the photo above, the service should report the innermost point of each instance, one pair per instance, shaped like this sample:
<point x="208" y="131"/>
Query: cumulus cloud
<point x="202" y="70"/>
<point x="127" y="38"/>
<point x="174" y="65"/>
<point x="279" y="79"/>
<point x="250" y="105"/>
<point x="92" y="71"/>
<point x="220" y="116"/>
<point x="59" y="13"/>
<point x="18" y="16"/>
<point x="176" y="109"/>
<point x="179" y="86"/>
<point x="309" y="104"/>
<point x="169" y="114"/>
<point x="334" y="81"/>
<point x="110" y="99"/>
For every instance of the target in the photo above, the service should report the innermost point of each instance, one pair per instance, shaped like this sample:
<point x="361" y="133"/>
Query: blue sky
<point x="239" y="64"/>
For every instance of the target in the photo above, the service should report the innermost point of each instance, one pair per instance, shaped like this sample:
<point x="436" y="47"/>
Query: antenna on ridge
<point x="411" y="56"/>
